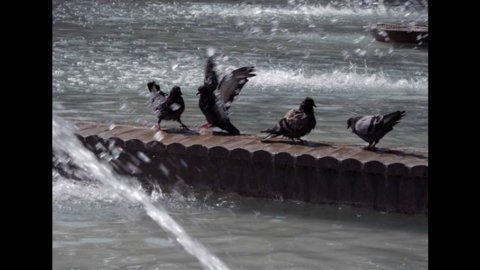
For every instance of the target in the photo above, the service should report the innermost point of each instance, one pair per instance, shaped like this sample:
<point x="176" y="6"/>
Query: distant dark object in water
<point x="389" y="32"/>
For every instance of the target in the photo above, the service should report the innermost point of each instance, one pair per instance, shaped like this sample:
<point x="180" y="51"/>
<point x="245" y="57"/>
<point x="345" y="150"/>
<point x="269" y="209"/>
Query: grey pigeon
<point x="166" y="107"/>
<point x="216" y="98"/>
<point x="371" y="128"/>
<point x="296" y="123"/>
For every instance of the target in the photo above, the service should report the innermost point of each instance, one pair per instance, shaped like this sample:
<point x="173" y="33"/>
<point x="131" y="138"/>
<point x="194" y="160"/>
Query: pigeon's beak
<point x="197" y="93"/>
<point x="314" y="105"/>
<point x="348" y="126"/>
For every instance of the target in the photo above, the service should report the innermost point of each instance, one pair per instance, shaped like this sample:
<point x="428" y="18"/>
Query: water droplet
<point x="210" y="51"/>
<point x="143" y="157"/>
<point x="158" y="136"/>
<point x="358" y="40"/>
<point x="116" y="151"/>
<point x="184" y="164"/>
<point x="237" y="22"/>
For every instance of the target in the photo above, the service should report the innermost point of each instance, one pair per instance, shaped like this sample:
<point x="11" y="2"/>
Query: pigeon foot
<point x="206" y="125"/>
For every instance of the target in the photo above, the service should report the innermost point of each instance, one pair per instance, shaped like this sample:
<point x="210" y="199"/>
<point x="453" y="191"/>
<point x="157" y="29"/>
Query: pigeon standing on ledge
<point x="216" y="98"/>
<point x="296" y="123"/>
<point x="166" y="107"/>
<point x="372" y="128"/>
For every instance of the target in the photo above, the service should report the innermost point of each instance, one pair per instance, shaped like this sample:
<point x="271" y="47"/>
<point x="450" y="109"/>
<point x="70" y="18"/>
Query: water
<point x="111" y="223"/>
<point x="94" y="229"/>
<point x="66" y="144"/>
<point x="104" y="53"/>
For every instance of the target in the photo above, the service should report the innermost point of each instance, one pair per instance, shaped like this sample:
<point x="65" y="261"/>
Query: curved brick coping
<point x="388" y="180"/>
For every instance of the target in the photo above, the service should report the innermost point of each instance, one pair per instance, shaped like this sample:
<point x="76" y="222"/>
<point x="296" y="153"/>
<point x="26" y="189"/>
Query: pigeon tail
<point x="228" y="126"/>
<point x="275" y="130"/>
<point x="392" y="119"/>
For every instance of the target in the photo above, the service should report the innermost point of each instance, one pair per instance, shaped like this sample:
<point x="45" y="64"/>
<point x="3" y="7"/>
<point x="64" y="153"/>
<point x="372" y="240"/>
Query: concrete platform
<point x="318" y="172"/>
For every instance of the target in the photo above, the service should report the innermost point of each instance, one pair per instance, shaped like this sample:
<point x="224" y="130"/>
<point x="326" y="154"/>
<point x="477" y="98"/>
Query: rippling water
<point x="93" y="229"/>
<point x="105" y="52"/>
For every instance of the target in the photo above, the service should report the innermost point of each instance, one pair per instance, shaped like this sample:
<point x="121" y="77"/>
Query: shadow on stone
<point x="221" y="133"/>
<point x="181" y="131"/>
<point x="396" y="152"/>
<point x="304" y="143"/>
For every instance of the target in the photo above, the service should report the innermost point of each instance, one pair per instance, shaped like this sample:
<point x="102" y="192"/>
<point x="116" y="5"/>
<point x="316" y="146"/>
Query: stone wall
<point x="320" y="172"/>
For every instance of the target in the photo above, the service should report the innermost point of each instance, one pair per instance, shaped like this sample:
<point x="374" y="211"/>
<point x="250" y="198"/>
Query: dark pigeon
<point x="166" y="107"/>
<point x="372" y="128"/>
<point x="216" y="98"/>
<point x="296" y="123"/>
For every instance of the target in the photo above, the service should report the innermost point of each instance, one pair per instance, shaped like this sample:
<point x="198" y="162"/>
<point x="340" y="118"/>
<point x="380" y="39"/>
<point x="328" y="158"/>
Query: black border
<point x="27" y="192"/>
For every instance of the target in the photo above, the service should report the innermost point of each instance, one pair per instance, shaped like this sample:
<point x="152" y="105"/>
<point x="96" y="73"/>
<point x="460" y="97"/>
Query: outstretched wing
<point x="156" y="102"/>
<point x="157" y="98"/>
<point x="210" y="79"/>
<point x="232" y="84"/>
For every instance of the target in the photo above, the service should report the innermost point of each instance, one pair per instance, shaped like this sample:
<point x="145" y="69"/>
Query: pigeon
<point x="296" y="123"/>
<point x="157" y="95"/>
<point x="371" y="128"/>
<point x="166" y="107"/>
<point x="216" y="98"/>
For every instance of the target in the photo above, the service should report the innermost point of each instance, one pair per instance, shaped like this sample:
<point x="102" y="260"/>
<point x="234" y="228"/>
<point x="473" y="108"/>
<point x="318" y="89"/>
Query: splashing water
<point x="64" y="141"/>
<point x="338" y="81"/>
<point x="210" y="51"/>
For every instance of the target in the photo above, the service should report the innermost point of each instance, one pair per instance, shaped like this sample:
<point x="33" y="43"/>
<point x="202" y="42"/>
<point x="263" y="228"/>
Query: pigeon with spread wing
<point x="216" y="98"/>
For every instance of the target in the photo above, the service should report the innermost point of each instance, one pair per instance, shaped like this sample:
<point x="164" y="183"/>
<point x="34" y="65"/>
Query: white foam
<point x="122" y="12"/>
<point x="65" y="191"/>
<point x="210" y="51"/>
<point x="336" y="81"/>
<point x="258" y="10"/>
